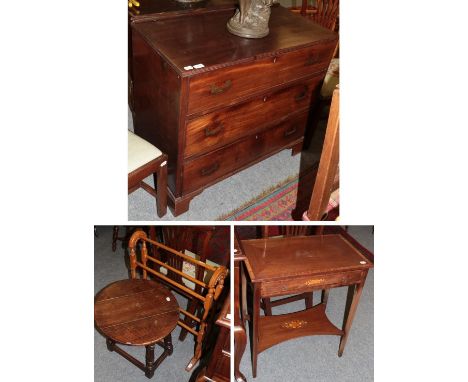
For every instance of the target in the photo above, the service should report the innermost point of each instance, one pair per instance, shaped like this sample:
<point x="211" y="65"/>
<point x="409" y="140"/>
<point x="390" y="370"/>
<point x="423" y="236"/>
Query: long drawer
<point x="229" y="124"/>
<point x="224" y="86"/>
<point x="210" y="167"/>
<point x="308" y="283"/>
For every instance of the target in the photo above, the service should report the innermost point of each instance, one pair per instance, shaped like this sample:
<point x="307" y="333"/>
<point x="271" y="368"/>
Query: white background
<point x="63" y="90"/>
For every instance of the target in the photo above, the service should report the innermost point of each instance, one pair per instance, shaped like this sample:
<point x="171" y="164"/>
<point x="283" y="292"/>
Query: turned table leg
<point x="168" y="344"/>
<point x="354" y="294"/>
<point x="149" y="370"/>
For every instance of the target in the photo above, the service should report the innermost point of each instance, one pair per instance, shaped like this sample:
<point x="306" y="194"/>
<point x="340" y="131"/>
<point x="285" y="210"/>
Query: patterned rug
<point x="270" y="205"/>
<point x="285" y="202"/>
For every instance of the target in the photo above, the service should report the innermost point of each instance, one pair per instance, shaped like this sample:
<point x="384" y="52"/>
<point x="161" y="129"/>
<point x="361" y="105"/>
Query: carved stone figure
<point x="251" y="18"/>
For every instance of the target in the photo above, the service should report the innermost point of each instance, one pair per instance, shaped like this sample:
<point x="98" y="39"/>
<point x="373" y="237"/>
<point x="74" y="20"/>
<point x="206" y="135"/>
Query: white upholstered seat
<point x="140" y="152"/>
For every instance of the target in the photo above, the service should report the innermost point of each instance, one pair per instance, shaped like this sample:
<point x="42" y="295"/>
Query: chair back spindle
<point x="325" y="13"/>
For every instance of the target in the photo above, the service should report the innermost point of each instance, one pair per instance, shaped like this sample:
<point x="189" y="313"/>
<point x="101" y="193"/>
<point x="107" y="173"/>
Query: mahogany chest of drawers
<point x="217" y="103"/>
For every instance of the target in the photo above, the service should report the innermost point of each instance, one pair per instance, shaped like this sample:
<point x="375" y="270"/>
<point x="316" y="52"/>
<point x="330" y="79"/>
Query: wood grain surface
<point x="135" y="312"/>
<point x="285" y="257"/>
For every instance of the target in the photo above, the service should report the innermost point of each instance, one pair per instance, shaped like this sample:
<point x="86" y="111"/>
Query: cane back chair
<point x="208" y="293"/>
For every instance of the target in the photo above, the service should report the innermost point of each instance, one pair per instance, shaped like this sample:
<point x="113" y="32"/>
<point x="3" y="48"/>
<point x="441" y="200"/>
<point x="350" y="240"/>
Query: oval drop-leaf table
<point x="137" y="312"/>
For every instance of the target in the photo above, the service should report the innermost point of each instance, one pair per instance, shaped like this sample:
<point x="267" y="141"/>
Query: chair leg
<point x="161" y="190"/>
<point x="115" y="236"/>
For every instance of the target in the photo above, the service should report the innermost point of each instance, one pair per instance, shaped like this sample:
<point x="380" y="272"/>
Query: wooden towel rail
<point x="209" y="291"/>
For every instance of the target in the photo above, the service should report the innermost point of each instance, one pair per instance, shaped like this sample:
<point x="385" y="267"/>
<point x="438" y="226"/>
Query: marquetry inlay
<point x="294" y="324"/>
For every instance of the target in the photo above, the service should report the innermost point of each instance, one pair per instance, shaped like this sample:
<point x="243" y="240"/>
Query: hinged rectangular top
<point x="204" y="39"/>
<point x="285" y="257"/>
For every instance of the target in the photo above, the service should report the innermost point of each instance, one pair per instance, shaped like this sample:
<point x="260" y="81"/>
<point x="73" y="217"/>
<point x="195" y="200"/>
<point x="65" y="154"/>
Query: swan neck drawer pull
<point x="302" y="95"/>
<point x="209" y="170"/>
<point x="311" y="60"/>
<point x="290" y="131"/>
<point x="213" y="130"/>
<point x="221" y="89"/>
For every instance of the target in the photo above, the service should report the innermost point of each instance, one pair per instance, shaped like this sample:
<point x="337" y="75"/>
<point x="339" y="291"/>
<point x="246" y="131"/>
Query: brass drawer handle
<point x="311" y="60"/>
<point x="302" y="95"/>
<point x="291" y="131"/>
<point x="221" y="89"/>
<point x="209" y="170"/>
<point x="211" y="131"/>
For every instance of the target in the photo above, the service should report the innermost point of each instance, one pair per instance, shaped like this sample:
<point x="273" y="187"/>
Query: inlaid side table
<point x="139" y="313"/>
<point x="291" y="265"/>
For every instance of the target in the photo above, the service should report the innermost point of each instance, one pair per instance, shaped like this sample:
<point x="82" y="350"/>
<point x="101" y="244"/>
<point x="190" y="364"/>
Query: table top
<point x="285" y="257"/>
<point x="135" y="312"/>
<point x="205" y="39"/>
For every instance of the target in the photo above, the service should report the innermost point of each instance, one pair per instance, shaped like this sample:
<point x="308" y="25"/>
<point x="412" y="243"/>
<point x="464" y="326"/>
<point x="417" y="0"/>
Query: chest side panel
<point x="157" y="102"/>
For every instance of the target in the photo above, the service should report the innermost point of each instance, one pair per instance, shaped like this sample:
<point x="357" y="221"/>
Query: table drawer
<point x="308" y="283"/>
<point x="227" y="160"/>
<point x="229" y="124"/>
<point x="224" y="86"/>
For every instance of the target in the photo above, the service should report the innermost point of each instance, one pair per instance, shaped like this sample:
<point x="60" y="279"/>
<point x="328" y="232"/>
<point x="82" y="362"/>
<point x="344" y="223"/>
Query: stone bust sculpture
<point x="251" y="18"/>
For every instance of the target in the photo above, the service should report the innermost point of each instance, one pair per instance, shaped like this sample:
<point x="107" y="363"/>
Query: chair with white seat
<point x="145" y="159"/>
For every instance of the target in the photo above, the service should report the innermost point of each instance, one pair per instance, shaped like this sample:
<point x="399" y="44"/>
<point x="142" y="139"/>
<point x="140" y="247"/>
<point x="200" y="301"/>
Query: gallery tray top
<point x="160" y="9"/>
<point x="204" y="39"/>
<point x="286" y="257"/>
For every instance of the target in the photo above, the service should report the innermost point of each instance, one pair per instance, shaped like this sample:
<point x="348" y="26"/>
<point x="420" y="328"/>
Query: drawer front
<point x="209" y="168"/>
<point x="308" y="283"/>
<point x="223" y="86"/>
<point x="229" y="124"/>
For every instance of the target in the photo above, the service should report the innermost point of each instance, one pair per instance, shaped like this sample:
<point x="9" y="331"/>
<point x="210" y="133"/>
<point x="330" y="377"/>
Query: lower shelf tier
<point x="275" y="329"/>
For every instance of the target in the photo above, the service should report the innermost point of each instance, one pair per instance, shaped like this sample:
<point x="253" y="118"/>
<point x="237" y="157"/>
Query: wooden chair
<point x="144" y="160"/>
<point x="326" y="14"/>
<point x="210" y="290"/>
<point x="128" y="231"/>
<point x="327" y="178"/>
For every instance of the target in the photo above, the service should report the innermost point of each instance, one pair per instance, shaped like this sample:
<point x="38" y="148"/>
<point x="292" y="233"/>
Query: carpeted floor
<point x="232" y="193"/>
<point x="111" y="367"/>
<point x="303" y="359"/>
<point x="315" y="358"/>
